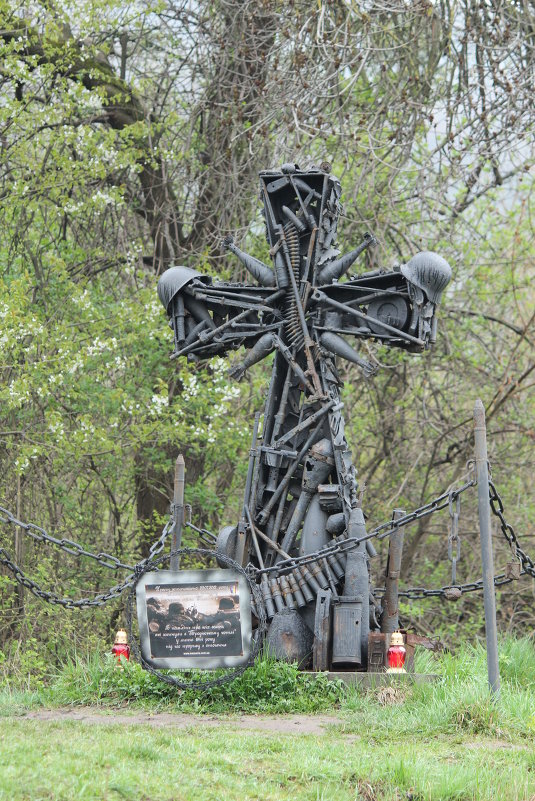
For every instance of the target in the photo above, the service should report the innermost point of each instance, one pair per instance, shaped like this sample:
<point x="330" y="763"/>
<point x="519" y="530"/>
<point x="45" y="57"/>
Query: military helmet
<point x="174" y="279"/>
<point x="428" y="271"/>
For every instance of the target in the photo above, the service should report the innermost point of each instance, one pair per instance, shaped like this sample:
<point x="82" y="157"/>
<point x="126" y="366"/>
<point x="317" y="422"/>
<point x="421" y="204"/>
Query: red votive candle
<point x="120" y="646"/>
<point x="396" y="654"/>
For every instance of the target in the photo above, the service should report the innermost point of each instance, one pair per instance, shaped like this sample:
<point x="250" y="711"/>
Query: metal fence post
<point x="178" y="511"/>
<point x="482" y="472"/>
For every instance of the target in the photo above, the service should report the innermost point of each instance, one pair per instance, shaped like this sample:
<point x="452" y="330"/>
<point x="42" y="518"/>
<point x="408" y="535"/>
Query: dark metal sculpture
<point x="301" y="491"/>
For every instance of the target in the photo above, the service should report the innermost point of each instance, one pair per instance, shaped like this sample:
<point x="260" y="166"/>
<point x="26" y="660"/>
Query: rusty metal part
<point x="177" y="511"/>
<point x="390" y="613"/>
<point x="322" y="632"/>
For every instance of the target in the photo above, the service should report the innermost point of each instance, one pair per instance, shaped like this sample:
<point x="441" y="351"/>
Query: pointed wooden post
<point x="390" y="615"/>
<point x="178" y="511"/>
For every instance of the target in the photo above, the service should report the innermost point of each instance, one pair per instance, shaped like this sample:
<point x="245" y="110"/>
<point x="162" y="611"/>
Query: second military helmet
<point x="430" y="272"/>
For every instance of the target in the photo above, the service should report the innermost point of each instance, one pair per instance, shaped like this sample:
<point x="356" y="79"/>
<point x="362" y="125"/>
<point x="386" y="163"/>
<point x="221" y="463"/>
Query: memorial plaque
<point x="194" y="618"/>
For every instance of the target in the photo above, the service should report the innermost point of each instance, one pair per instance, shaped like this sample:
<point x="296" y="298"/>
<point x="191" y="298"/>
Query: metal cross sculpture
<point x="301" y="492"/>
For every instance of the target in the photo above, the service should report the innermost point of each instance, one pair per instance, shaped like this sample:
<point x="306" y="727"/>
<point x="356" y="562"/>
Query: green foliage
<point x="268" y="686"/>
<point x="458" y="702"/>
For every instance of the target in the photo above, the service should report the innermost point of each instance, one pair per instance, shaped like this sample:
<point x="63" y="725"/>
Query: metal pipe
<point x="482" y="473"/>
<point x="296" y="520"/>
<point x="252" y="456"/>
<point x="317" y="467"/>
<point x="285" y="351"/>
<point x="218" y="292"/>
<point x="232" y="323"/>
<point x="308" y="422"/>
<point x="285" y="483"/>
<point x="301" y="571"/>
<point x="279" y="417"/>
<point x="277" y="523"/>
<point x="179" y="316"/>
<point x="198" y="310"/>
<point x="254" y="539"/>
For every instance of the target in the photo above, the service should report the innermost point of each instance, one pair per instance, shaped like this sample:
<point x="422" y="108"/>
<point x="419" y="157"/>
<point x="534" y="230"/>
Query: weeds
<point x="268" y="686"/>
<point x="458" y="701"/>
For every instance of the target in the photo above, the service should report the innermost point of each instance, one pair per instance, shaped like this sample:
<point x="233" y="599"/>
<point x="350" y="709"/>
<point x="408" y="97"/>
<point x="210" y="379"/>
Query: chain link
<point x="450" y="499"/>
<point x="381" y="532"/>
<point x="496" y="504"/>
<point x="528" y="566"/>
<point x="77" y="603"/>
<point x="454" y="541"/>
<point x="203" y="533"/>
<point x="418" y="593"/>
<point x="51" y="597"/>
<point x="69" y="546"/>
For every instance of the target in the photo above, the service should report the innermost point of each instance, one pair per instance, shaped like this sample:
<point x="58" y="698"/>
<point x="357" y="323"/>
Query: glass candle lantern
<point x="120" y="646"/>
<point x="396" y="654"/>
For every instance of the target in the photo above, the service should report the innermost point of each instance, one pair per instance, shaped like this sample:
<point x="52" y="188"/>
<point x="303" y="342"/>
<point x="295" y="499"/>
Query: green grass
<point x="66" y="761"/>
<point x="268" y="687"/>
<point x="436" y="742"/>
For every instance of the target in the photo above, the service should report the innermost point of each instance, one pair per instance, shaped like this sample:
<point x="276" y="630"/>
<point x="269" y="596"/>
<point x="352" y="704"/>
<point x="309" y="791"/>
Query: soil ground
<point x="283" y="724"/>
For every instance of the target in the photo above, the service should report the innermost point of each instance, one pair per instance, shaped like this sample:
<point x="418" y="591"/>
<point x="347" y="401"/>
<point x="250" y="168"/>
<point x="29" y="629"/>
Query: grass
<point x="435" y="742"/>
<point x="67" y="761"/>
<point x="268" y="687"/>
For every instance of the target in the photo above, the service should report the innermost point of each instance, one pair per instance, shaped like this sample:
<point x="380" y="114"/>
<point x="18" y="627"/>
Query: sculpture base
<point x="366" y="681"/>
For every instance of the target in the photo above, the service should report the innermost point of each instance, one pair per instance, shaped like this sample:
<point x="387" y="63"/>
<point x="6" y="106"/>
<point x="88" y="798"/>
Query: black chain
<point x="74" y="548"/>
<point x="454" y="592"/>
<point x="380" y="532"/>
<point x="51" y="597"/>
<point x="342" y="548"/>
<point x="76" y="603"/>
<point x="454" y="541"/>
<point x="496" y="504"/>
<point x="202" y="533"/>
<point x="257" y="606"/>
<point x="450" y="592"/>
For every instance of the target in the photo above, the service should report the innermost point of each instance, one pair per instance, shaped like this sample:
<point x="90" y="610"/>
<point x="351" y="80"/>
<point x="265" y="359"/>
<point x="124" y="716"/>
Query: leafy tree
<point x="131" y="135"/>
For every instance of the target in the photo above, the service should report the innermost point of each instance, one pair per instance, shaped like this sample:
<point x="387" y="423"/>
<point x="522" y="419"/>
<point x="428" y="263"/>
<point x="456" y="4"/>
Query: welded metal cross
<point x="301" y="492"/>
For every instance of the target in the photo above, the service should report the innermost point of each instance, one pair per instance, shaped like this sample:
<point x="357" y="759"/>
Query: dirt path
<point x="284" y="724"/>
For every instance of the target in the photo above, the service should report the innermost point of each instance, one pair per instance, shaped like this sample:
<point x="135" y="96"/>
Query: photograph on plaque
<point x="194" y="618"/>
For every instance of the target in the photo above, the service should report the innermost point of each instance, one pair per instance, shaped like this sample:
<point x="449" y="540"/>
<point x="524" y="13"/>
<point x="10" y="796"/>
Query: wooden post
<point x="178" y="511"/>
<point x="390" y="615"/>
